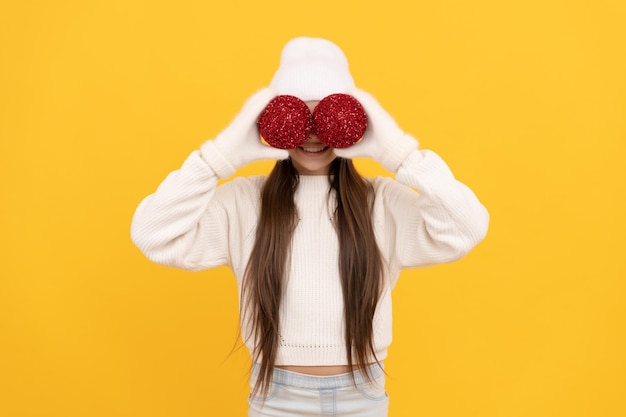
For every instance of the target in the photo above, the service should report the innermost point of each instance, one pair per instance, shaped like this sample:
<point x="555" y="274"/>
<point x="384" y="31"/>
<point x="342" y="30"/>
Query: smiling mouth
<point x="313" y="149"/>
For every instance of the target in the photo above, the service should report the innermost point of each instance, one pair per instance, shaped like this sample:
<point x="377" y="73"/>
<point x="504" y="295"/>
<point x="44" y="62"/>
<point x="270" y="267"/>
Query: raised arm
<point x="429" y="216"/>
<point x="185" y="223"/>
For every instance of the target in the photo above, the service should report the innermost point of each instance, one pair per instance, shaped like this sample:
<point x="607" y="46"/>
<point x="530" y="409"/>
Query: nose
<point x="313" y="139"/>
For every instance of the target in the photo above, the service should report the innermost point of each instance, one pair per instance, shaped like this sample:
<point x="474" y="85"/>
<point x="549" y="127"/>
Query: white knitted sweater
<point x="192" y="224"/>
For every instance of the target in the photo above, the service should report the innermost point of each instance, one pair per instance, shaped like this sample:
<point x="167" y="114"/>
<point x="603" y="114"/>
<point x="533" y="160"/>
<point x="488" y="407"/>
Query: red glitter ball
<point x="286" y="122"/>
<point x="339" y="120"/>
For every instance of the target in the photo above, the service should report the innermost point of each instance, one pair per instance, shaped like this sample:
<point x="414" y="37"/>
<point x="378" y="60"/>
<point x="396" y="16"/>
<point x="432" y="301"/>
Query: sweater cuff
<point x="216" y="159"/>
<point x="398" y="151"/>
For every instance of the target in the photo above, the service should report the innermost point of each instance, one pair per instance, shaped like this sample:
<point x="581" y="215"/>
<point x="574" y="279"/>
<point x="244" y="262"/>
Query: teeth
<point x="315" y="150"/>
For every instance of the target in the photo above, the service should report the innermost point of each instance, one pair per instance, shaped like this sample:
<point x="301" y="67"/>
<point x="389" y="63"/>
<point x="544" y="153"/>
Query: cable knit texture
<point x="192" y="224"/>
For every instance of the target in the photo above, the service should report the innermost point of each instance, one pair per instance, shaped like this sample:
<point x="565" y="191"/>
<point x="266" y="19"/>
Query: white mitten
<point x="383" y="140"/>
<point x="240" y="143"/>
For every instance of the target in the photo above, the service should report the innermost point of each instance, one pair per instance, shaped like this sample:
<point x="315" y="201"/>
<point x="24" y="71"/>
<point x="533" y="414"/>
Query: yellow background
<point x="525" y="100"/>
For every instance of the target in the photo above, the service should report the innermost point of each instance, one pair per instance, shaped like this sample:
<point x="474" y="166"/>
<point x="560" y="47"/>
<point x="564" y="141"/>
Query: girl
<point x="315" y="247"/>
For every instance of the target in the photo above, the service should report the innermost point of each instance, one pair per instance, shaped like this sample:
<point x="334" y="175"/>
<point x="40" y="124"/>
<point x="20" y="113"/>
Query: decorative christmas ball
<point x="339" y="120"/>
<point x="285" y="122"/>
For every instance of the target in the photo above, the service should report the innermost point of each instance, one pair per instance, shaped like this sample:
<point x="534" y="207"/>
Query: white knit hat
<point x="311" y="69"/>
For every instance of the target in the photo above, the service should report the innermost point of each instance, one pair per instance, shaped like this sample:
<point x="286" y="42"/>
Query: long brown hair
<point x="360" y="264"/>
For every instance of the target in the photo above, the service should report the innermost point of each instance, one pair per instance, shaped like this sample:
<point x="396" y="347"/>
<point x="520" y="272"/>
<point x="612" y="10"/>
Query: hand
<point x="383" y="140"/>
<point x="240" y="143"/>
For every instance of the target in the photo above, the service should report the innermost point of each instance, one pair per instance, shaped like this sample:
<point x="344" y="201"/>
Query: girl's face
<point x="312" y="157"/>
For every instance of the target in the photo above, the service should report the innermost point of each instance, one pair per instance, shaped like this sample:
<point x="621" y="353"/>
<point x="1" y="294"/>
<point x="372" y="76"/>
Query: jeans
<point x="295" y="394"/>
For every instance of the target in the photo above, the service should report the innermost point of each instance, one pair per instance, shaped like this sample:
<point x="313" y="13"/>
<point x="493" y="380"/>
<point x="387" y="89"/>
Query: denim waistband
<point x="296" y="379"/>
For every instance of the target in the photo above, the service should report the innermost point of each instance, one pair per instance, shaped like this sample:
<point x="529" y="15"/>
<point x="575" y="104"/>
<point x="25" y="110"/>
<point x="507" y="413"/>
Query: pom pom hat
<point x="311" y="69"/>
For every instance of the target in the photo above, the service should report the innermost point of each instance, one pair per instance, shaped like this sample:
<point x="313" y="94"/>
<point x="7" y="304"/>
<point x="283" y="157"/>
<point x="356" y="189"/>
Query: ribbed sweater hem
<point x="321" y="356"/>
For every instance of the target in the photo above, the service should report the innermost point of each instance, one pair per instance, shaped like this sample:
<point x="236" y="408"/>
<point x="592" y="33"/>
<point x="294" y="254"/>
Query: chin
<point x="308" y="167"/>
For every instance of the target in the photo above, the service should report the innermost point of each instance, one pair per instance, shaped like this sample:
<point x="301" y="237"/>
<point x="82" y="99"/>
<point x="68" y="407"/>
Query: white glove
<point x="383" y="140"/>
<point x="240" y="143"/>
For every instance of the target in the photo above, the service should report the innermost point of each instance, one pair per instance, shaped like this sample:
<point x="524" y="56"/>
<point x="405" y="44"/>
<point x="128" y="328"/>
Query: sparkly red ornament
<point x="339" y="120"/>
<point x="285" y="122"/>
